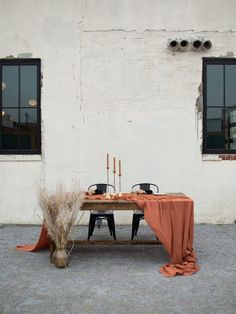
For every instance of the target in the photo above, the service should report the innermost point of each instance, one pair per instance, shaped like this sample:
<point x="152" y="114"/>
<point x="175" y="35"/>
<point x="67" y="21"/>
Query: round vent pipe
<point x="207" y="44"/>
<point x="197" y="44"/>
<point x="183" y="44"/>
<point x="173" y="44"/>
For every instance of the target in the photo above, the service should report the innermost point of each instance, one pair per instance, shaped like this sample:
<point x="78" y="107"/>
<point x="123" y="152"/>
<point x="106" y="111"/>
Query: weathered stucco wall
<point x="111" y="85"/>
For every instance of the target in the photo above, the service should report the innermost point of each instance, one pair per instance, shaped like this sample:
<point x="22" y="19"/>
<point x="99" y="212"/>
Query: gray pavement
<point x="121" y="279"/>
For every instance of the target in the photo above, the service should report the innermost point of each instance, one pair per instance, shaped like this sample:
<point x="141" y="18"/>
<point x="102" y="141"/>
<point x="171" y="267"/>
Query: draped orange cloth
<point x="42" y="243"/>
<point x="171" y="218"/>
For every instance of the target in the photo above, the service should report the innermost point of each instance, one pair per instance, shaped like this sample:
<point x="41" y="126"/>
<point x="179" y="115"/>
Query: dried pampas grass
<point x="60" y="211"/>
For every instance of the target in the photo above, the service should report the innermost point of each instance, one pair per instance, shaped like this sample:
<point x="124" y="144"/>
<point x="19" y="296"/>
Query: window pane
<point x="230" y="85"/>
<point x="10" y="85"/>
<point x="28" y="86"/>
<point x="231" y="128"/>
<point x="10" y="125"/>
<point x="215" y="86"/>
<point x="215" y="129"/>
<point x="28" y="128"/>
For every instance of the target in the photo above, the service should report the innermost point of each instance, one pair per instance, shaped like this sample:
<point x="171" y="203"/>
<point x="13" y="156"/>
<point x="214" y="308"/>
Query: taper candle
<point x="119" y="167"/>
<point x="107" y="160"/>
<point x="114" y="164"/>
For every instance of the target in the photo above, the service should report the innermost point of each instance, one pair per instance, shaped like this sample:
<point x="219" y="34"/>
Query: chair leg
<point x="93" y="225"/>
<point x="92" y="221"/>
<point x="112" y="223"/>
<point x="133" y="227"/>
<point x="89" y="227"/>
<point x="137" y="225"/>
<point x="109" y="223"/>
<point x="114" y="229"/>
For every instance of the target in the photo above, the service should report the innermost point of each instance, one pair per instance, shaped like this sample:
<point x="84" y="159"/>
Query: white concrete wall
<point x="111" y="85"/>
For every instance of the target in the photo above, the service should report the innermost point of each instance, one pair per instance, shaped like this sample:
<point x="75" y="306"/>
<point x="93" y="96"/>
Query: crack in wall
<point x="156" y="30"/>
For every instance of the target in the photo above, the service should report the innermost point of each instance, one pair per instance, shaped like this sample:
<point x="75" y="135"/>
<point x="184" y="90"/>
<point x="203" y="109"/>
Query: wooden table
<point x="103" y="205"/>
<point x="175" y="230"/>
<point x="106" y="205"/>
<point x="114" y="205"/>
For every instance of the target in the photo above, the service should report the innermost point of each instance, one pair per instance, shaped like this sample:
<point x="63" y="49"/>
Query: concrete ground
<point x="121" y="279"/>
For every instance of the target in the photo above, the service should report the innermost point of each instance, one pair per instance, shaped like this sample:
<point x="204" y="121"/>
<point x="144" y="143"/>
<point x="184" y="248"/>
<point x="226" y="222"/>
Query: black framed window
<point x="219" y="105"/>
<point x="20" y="121"/>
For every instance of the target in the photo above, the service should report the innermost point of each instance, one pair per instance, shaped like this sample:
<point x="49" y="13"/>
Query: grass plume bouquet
<point x="60" y="211"/>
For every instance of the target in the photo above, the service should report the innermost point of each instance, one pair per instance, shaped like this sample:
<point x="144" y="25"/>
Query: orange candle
<point x="114" y="164"/>
<point x="107" y="161"/>
<point x="119" y="167"/>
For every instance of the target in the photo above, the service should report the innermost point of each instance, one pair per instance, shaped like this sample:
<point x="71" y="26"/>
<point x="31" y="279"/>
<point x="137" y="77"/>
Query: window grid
<point x="19" y="63"/>
<point x="223" y="62"/>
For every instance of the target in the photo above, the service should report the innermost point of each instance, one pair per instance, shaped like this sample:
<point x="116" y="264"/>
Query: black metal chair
<point x="101" y="188"/>
<point x="138" y="215"/>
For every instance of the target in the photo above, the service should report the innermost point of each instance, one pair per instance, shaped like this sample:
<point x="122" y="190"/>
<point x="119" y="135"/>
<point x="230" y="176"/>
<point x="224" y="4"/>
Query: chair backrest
<point x="101" y="188"/>
<point x="147" y="187"/>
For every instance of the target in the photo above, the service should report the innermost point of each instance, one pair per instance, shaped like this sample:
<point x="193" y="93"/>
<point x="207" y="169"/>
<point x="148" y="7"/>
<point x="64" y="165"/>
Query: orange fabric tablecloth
<point x="171" y="218"/>
<point x="42" y="243"/>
